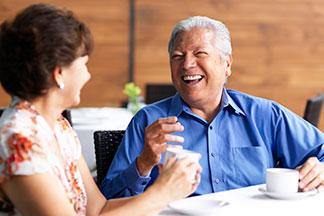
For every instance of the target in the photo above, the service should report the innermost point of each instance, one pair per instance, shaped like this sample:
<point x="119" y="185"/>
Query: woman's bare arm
<point x="174" y="183"/>
<point x="39" y="194"/>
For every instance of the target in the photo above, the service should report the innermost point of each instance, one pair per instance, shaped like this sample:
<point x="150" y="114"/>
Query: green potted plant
<point x="135" y="101"/>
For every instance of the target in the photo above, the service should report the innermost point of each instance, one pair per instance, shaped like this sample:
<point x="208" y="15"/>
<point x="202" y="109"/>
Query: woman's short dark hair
<point x="39" y="38"/>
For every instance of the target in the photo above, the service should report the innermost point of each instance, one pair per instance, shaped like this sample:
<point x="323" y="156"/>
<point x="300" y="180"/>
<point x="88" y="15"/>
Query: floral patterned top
<point x="29" y="146"/>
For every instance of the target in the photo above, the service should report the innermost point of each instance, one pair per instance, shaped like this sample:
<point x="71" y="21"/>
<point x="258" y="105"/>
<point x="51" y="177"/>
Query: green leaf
<point x="131" y="90"/>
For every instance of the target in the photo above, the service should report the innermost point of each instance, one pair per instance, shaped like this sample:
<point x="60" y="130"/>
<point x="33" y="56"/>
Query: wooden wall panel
<point x="278" y="46"/>
<point x="108" y="64"/>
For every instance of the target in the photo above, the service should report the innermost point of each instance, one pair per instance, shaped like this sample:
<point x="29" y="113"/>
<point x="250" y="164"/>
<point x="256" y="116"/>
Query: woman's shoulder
<point x="18" y="132"/>
<point x="20" y="150"/>
<point x="15" y="120"/>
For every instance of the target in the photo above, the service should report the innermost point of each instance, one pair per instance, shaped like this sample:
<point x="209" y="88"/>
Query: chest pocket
<point x="250" y="164"/>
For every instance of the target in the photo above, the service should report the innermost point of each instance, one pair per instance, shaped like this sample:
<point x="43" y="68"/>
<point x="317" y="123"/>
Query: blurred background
<point x="278" y="45"/>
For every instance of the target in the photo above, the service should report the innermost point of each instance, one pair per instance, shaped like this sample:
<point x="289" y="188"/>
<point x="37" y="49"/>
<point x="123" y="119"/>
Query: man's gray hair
<point x="223" y="38"/>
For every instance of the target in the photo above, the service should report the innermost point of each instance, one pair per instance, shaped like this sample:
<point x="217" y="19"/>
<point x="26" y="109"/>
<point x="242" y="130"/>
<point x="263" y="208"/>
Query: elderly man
<point x="238" y="135"/>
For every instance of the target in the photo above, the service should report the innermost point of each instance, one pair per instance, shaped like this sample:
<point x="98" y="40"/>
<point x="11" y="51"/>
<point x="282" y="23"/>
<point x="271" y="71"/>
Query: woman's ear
<point x="58" y="77"/>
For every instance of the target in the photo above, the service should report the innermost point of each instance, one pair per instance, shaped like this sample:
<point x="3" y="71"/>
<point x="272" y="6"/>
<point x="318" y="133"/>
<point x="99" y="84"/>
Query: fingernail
<point x="180" y="139"/>
<point x="320" y="189"/>
<point x="301" y="184"/>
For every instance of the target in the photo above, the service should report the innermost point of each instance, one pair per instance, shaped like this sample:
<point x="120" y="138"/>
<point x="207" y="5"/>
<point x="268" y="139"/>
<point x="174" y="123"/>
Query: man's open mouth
<point x="192" y="78"/>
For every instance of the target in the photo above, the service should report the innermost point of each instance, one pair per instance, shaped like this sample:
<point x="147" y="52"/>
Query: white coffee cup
<point x="282" y="180"/>
<point x="179" y="153"/>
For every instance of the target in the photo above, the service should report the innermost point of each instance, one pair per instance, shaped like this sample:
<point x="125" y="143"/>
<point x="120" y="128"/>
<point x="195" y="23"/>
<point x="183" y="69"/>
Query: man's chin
<point x="192" y="99"/>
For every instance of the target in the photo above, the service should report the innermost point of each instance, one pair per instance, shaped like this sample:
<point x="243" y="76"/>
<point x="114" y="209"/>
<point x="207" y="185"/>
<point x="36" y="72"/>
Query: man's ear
<point x="228" y="65"/>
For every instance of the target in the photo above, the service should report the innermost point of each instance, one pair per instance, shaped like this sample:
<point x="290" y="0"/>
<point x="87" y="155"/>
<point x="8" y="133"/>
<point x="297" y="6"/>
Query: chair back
<point x="106" y="144"/>
<point x="313" y="109"/>
<point x="67" y="114"/>
<point x="156" y="92"/>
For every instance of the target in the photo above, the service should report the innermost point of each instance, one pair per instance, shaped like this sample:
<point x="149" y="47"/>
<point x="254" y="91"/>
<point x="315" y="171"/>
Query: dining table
<point x="87" y="120"/>
<point x="250" y="201"/>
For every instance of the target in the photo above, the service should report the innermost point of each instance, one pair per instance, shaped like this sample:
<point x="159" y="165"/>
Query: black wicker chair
<point x="313" y="109"/>
<point x="106" y="145"/>
<point x="67" y="114"/>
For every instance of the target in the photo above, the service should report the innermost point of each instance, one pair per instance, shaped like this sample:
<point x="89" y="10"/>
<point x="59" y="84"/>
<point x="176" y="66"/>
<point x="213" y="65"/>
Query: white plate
<point x="290" y="196"/>
<point x="197" y="207"/>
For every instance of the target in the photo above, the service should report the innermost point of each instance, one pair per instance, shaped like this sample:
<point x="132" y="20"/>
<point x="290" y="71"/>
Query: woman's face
<point x="75" y="76"/>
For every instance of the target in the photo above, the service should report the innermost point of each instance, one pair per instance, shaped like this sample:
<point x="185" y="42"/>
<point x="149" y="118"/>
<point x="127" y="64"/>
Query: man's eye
<point x="201" y="53"/>
<point x="176" y="56"/>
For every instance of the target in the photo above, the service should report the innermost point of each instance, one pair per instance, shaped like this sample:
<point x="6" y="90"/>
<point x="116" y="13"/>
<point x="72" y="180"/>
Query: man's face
<point x="198" y="72"/>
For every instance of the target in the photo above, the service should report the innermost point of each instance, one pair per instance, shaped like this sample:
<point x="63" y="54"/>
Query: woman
<point x="43" y="57"/>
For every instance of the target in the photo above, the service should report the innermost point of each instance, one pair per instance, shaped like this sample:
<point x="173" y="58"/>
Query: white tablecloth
<point x="87" y="120"/>
<point x="250" y="201"/>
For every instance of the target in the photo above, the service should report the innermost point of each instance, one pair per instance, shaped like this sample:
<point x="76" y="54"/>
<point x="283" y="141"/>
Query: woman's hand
<point x="177" y="179"/>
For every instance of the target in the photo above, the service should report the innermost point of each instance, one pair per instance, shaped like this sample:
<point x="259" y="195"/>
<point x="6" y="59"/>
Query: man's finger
<point x="168" y="120"/>
<point x="165" y="128"/>
<point x="162" y="127"/>
<point x="314" y="183"/>
<point x="163" y="138"/>
<point x="321" y="188"/>
<point x="307" y="167"/>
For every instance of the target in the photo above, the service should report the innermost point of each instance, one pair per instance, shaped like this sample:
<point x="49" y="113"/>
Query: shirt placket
<point x="214" y="146"/>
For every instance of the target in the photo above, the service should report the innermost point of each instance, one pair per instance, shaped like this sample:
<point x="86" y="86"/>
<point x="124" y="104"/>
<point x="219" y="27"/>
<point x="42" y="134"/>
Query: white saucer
<point x="197" y="207"/>
<point x="290" y="196"/>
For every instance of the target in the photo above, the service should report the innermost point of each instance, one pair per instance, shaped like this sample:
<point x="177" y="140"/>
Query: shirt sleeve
<point x="123" y="178"/>
<point x="21" y="155"/>
<point x="296" y="139"/>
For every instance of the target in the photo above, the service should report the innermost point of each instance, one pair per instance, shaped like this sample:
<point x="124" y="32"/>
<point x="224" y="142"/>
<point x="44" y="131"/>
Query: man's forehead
<point x="196" y="30"/>
<point x="196" y="35"/>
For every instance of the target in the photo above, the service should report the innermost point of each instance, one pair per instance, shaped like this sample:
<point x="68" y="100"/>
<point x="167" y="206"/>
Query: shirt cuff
<point x="135" y="181"/>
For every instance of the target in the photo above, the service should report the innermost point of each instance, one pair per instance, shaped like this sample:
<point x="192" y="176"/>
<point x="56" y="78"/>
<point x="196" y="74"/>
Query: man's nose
<point x="189" y="62"/>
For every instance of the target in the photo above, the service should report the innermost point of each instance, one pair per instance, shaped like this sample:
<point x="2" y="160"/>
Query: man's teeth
<point x="192" y="77"/>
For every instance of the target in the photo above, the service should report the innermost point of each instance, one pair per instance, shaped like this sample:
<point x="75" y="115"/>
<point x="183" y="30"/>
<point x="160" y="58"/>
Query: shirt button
<point x="211" y="127"/>
<point x="144" y="183"/>
<point x="217" y="180"/>
<point x="212" y="154"/>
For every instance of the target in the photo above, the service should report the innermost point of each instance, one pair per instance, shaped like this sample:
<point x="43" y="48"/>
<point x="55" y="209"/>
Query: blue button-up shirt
<point x="248" y="135"/>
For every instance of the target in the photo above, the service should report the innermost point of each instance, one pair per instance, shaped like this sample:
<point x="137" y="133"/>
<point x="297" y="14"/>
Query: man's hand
<point x="311" y="175"/>
<point x="156" y="137"/>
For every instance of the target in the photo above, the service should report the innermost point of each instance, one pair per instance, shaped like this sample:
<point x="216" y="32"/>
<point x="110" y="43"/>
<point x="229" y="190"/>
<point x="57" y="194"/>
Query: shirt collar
<point x="227" y="101"/>
<point x="178" y="105"/>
